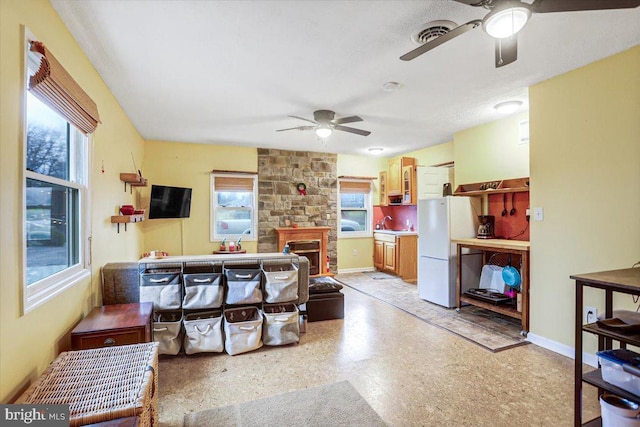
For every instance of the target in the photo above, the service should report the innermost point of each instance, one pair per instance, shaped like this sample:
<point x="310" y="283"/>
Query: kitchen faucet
<point x="384" y="220"/>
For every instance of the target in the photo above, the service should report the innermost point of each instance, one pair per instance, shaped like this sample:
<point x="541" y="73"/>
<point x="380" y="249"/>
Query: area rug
<point x="337" y="404"/>
<point x="490" y="330"/>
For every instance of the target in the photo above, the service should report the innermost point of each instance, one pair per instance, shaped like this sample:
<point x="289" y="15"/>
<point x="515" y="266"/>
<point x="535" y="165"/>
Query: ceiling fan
<point x="324" y="124"/>
<point x="507" y="17"/>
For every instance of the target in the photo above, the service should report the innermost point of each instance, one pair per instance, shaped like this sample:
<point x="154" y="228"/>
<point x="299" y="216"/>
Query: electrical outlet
<point x="590" y="314"/>
<point x="355" y="252"/>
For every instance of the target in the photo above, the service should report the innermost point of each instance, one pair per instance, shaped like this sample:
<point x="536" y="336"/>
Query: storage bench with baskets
<point x="218" y="303"/>
<point x="101" y="384"/>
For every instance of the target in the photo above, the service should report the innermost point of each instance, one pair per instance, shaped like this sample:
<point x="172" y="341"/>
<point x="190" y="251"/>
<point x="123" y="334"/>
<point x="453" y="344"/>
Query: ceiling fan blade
<point x="352" y="130"/>
<point x="546" y="6"/>
<point x="441" y="39"/>
<point x="306" y="120"/>
<point x="506" y="51"/>
<point x="297" y="128"/>
<point x="350" y="119"/>
<point x="472" y="2"/>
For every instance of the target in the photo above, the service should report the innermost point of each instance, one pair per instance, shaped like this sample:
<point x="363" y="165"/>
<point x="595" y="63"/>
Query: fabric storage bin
<point x="280" y="283"/>
<point x="243" y="286"/>
<point x="242" y="329"/>
<point x="281" y="324"/>
<point x="164" y="290"/>
<point x="202" y="291"/>
<point x="203" y="332"/>
<point x="167" y="331"/>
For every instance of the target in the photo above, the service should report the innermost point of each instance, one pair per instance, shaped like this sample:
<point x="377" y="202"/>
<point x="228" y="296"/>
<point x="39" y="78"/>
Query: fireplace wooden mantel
<point x="287" y="235"/>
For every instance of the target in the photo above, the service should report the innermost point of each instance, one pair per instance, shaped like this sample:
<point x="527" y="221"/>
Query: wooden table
<point x="518" y="247"/>
<point x="117" y="324"/>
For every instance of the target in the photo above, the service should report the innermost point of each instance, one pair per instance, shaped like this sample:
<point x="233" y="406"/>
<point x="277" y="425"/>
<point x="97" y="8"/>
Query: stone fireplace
<point x="279" y="201"/>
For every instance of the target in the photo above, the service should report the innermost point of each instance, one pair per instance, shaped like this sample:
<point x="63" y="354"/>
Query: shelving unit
<point x="625" y="281"/>
<point x="514" y="185"/>
<point x="133" y="179"/>
<point x="126" y="219"/>
<point x="517" y="247"/>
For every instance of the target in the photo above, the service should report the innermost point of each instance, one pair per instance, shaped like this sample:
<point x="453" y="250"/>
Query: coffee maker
<point x="486" y="227"/>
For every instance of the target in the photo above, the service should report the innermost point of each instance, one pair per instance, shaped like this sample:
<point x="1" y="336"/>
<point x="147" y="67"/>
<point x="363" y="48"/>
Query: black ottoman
<point x="326" y="302"/>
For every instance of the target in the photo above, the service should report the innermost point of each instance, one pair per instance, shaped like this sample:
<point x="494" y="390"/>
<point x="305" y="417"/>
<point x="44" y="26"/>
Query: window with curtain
<point x="56" y="219"/>
<point x="233" y="210"/>
<point x="355" y="207"/>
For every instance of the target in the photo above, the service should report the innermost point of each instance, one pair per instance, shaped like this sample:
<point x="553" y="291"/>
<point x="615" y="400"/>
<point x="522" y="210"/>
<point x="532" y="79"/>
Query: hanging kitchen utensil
<point x="513" y="207"/>
<point x="504" y="203"/>
<point x="511" y="275"/>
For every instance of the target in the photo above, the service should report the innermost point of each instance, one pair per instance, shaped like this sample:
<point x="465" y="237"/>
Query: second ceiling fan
<point x="507" y="17"/>
<point x="325" y="123"/>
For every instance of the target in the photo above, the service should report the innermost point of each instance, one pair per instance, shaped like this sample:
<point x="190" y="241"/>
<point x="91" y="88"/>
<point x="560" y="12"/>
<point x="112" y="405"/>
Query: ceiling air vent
<point x="432" y="30"/>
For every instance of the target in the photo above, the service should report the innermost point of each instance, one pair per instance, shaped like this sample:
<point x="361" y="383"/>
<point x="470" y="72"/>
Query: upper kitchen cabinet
<point x="409" y="193"/>
<point x="383" y="188"/>
<point x="394" y="175"/>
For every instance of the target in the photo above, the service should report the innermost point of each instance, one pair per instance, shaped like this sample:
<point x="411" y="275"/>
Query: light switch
<point x="538" y="214"/>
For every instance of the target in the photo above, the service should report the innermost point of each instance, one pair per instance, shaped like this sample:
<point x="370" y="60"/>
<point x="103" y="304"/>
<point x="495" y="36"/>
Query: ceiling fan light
<point x="506" y="21"/>
<point x="508" y="107"/>
<point x="323" y="131"/>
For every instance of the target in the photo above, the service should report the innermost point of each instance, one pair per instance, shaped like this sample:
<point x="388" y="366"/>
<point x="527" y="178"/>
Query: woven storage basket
<point x="102" y="384"/>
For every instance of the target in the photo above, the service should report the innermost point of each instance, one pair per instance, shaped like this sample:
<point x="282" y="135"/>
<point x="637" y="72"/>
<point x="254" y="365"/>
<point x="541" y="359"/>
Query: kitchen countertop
<point x="520" y="245"/>
<point x="397" y="232"/>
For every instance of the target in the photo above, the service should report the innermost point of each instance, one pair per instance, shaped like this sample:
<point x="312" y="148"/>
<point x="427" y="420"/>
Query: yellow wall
<point x="585" y="173"/>
<point x="434" y="155"/>
<point x="349" y="165"/>
<point x="491" y="151"/>
<point x="29" y="342"/>
<point x="190" y="165"/>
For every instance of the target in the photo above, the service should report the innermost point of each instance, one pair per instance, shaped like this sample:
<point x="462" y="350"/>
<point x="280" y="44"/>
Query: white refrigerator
<point x="440" y="220"/>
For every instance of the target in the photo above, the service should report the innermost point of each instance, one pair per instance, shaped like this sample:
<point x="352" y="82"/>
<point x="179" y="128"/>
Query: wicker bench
<point x="102" y="384"/>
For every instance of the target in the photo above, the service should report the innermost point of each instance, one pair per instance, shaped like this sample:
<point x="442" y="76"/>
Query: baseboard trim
<point x="355" y="270"/>
<point x="563" y="349"/>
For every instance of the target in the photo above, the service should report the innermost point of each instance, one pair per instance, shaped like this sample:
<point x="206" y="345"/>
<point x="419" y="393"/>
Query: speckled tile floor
<point x="410" y="372"/>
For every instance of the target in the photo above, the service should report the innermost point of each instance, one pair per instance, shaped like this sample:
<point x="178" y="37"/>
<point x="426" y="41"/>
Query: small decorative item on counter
<point x="232" y="246"/>
<point x="286" y="249"/>
<point x="294" y="225"/>
<point x="377" y="226"/>
<point x="127" y="209"/>
<point x="222" y="246"/>
<point x="238" y="245"/>
<point x="287" y="222"/>
<point x="302" y="188"/>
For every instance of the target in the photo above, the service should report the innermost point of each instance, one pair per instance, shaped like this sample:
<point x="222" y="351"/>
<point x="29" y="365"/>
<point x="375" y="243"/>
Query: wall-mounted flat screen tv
<point x="169" y="202"/>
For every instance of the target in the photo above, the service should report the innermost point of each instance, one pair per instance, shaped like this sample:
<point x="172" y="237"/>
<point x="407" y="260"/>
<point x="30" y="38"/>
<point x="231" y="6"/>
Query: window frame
<point x="368" y="208"/>
<point x="43" y="290"/>
<point x="253" y="236"/>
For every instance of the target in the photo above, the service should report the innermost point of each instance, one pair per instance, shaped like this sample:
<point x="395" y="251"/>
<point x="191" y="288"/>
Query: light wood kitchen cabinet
<point x="394" y="174"/>
<point x="409" y="192"/>
<point x="396" y="254"/>
<point x="383" y="188"/>
<point x="378" y="254"/>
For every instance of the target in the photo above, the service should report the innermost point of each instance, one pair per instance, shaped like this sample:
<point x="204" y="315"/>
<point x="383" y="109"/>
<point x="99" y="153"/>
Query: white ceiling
<point x="230" y="72"/>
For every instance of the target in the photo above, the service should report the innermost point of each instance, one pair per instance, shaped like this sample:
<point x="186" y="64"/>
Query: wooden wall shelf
<point x="126" y="219"/>
<point x="133" y="179"/>
<point x="515" y="185"/>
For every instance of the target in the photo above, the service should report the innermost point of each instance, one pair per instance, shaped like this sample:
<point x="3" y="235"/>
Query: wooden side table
<point x="117" y="324"/>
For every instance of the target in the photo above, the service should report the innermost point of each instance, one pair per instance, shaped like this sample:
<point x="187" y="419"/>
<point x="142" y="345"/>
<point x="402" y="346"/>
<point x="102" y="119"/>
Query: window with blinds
<point x="355" y="207"/>
<point x="233" y="207"/>
<point x="59" y="117"/>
